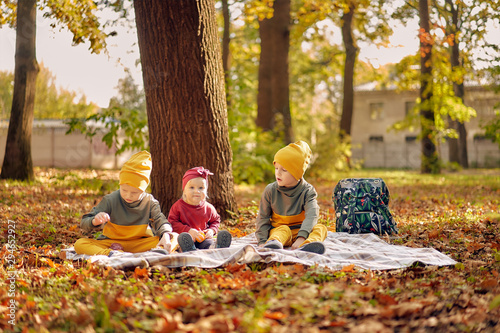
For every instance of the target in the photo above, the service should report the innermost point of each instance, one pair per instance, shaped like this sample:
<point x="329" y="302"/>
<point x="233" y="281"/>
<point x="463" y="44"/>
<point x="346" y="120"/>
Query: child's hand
<point x="197" y="235"/>
<point x="209" y="234"/>
<point x="165" y="242"/>
<point x="100" y="218"/>
<point x="298" y="242"/>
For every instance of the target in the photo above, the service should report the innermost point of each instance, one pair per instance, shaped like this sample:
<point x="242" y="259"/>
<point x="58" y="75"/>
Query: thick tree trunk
<point x="17" y="163"/>
<point x="280" y="77"/>
<point x="430" y="160"/>
<point x="351" y="51"/>
<point x="226" y="40"/>
<point x="186" y="106"/>
<point x="265" y="112"/>
<point x="273" y="96"/>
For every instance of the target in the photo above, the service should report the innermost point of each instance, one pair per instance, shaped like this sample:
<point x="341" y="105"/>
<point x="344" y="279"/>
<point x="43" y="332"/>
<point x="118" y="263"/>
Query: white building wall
<point x="51" y="147"/>
<point x="397" y="149"/>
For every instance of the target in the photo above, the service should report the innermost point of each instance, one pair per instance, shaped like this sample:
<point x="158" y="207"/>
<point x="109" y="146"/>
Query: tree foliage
<point x="78" y="17"/>
<point x="124" y="123"/>
<point x="51" y="102"/>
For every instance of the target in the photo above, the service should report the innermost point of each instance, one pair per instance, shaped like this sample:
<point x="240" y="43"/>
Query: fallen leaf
<point x="274" y="315"/>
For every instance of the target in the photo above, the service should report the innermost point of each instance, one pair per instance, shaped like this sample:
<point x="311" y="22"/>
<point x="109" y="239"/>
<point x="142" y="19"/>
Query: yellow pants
<point x="287" y="236"/>
<point x="94" y="246"/>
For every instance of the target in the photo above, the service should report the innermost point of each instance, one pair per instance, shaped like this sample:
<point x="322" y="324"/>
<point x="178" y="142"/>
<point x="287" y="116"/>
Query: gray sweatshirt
<point x="128" y="221"/>
<point x="287" y="201"/>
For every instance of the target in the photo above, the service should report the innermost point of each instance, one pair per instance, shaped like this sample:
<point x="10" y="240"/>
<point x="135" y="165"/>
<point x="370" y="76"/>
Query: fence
<point x="51" y="147"/>
<point x="482" y="153"/>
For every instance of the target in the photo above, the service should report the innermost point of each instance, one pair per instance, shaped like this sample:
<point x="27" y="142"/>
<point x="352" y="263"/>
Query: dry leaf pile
<point x="457" y="214"/>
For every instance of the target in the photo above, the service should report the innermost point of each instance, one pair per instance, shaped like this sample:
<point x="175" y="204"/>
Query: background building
<point x="378" y="147"/>
<point x="51" y="147"/>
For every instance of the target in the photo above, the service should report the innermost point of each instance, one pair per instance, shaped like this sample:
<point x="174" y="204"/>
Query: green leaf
<point x="495" y="303"/>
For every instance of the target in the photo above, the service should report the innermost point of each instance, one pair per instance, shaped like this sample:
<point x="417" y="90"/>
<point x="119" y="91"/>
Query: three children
<point x="288" y="212"/>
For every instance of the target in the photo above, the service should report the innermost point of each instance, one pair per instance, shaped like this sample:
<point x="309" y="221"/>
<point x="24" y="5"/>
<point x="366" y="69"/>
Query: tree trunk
<point x="351" y="51"/>
<point x="226" y="39"/>
<point x="17" y="163"/>
<point x="430" y="160"/>
<point x="453" y="150"/>
<point x="280" y="77"/>
<point x="460" y="151"/>
<point x="186" y="106"/>
<point x="265" y="112"/>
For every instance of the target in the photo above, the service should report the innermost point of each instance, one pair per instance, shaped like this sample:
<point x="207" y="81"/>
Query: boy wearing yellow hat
<point x="288" y="212"/>
<point x="126" y="215"/>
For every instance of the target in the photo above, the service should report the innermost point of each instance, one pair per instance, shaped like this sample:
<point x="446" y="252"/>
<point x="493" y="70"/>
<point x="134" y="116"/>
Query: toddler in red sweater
<point x="196" y="220"/>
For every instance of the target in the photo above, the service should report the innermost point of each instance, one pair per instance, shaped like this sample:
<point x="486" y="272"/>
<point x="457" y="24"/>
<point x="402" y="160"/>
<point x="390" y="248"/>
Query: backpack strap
<point x="381" y="209"/>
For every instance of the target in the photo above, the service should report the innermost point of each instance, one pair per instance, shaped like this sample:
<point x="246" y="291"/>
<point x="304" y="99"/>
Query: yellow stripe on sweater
<point x="115" y="231"/>
<point x="292" y="220"/>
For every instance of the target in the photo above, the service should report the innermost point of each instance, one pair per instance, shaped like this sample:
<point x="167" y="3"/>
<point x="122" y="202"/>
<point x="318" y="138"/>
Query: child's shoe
<point x="274" y="244"/>
<point x="116" y="253"/>
<point x="224" y="239"/>
<point x="160" y="250"/>
<point x="186" y="242"/>
<point x="314" y="247"/>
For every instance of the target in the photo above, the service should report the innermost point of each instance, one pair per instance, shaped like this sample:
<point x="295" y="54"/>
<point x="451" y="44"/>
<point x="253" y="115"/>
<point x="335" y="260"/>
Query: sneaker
<point x="274" y="244"/>
<point x="314" y="247"/>
<point x="159" y="250"/>
<point x="186" y="242"/>
<point x="116" y="253"/>
<point x="224" y="239"/>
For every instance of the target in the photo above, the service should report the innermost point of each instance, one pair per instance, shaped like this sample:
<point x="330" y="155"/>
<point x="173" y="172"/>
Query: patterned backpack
<point x="361" y="206"/>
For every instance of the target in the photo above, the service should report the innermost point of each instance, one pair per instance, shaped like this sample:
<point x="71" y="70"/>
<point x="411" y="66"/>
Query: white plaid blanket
<point x="366" y="251"/>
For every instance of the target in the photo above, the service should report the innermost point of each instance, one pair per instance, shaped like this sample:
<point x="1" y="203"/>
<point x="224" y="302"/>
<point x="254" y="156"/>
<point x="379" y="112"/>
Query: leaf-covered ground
<point x="456" y="214"/>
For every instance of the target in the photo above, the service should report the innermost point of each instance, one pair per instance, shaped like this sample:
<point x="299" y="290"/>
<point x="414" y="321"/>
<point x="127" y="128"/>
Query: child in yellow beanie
<point x="288" y="212"/>
<point x="126" y="215"/>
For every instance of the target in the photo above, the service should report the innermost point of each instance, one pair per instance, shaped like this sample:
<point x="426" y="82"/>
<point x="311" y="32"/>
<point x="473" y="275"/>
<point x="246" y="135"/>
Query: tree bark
<point x="458" y="147"/>
<point x="186" y="106"/>
<point x="18" y="163"/>
<point x="280" y="77"/>
<point x="430" y="160"/>
<point x="351" y="51"/>
<point x="265" y="112"/>
<point x="273" y="96"/>
<point x="226" y="40"/>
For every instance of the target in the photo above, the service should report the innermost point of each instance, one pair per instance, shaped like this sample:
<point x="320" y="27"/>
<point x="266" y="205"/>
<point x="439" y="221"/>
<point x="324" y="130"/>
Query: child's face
<point x="283" y="177"/>
<point x="130" y="194"/>
<point x="195" y="191"/>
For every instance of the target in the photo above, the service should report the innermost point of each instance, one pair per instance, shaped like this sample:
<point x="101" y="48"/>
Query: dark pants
<point x="205" y="244"/>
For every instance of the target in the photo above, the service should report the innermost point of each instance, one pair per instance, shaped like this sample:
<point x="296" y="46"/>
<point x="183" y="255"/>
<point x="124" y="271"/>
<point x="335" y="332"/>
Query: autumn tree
<point x="185" y="99"/>
<point x="466" y="26"/>
<point x="359" y="20"/>
<point x="226" y="41"/>
<point x="79" y="18"/>
<point x="351" y="54"/>
<point x="430" y="159"/>
<point x="273" y="98"/>
<point x="17" y="163"/>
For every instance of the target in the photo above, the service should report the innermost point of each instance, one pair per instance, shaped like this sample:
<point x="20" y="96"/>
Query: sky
<point x="97" y="75"/>
<point x="75" y="67"/>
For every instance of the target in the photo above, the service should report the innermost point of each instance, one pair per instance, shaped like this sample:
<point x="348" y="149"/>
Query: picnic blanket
<point x="366" y="251"/>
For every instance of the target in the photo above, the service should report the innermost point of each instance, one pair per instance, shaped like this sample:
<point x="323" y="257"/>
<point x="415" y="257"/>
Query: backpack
<point x="361" y="206"/>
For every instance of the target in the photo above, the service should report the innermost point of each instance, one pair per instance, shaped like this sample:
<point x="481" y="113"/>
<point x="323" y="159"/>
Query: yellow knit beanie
<point x="294" y="158"/>
<point x="136" y="171"/>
